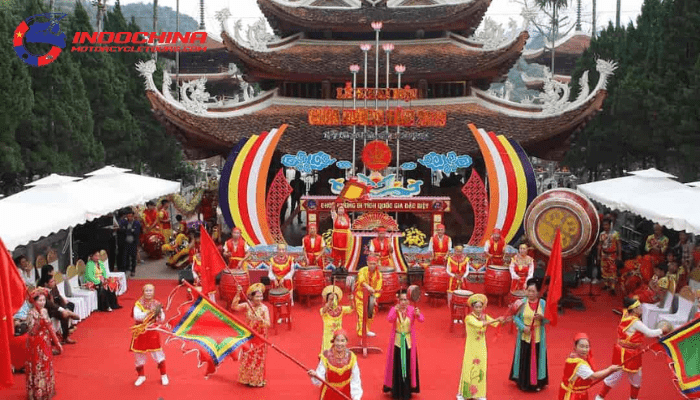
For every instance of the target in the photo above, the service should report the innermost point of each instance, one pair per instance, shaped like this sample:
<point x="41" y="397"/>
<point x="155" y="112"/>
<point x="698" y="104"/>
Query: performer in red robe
<point x="578" y="371"/>
<point x="314" y="247"/>
<point x="522" y="268"/>
<point x="630" y="340"/>
<point x="609" y="252"/>
<point x="41" y="384"/>
<point x="338" y="366"/>
<point x="164" y="219"/>
<point x="439" y="246"/>
<point x="458" y="269"/>
<point x="147" y="310"/>
<point x="236" y="251"/>
<point x="341" y="236"/>
<point x="381" y="246"/>
<point x="150" y="218"/>
<point x="494" y="248"/>
<point x="282" y="270"/>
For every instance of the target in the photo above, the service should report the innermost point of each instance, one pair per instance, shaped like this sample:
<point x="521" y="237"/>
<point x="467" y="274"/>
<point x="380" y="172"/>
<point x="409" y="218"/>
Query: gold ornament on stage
<point x="413" y="238"/>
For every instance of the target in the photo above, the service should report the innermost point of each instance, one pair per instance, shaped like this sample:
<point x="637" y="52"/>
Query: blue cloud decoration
<point x="408" y="166"/>
<point x="306" y="163"/>
<point x="447" y="163"/>
<point x="343" y="164"/>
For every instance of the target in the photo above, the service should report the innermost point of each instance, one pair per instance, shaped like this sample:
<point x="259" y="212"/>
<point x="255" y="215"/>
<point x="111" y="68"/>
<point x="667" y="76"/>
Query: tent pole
<point x="70" y="244"/>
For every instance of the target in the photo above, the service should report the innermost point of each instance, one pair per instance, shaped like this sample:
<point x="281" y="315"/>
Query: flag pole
<point x="646" y="349"/>
<point x="260" y="337"/>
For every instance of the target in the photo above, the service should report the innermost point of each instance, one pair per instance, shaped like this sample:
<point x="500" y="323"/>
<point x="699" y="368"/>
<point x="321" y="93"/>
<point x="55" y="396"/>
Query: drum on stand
<point x="153" y="244"/>
<point x="230" y="279"/>
<point x="309" y="281"/>
<point x="436" y="279"/>
<point x="461" y="298"/>
<point x="371" y="306"/>
<point x="497" y="280"/>
<point x="279" y="295"/>
<point x="390" y="286"/>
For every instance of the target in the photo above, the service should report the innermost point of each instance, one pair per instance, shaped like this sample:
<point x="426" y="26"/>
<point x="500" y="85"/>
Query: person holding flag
<point x="529" y="369"/>
<point x="147" y="310"/>
<point x="339" y="367"/>
<point x="207" y="264"/>
<point x="628" y="349"/>
<point x="251" y="371"/>
<point x="578" y="371"/>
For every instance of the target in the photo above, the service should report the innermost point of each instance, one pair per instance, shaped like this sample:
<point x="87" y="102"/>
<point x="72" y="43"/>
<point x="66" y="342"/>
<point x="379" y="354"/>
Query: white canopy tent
<point x="616" y="193"/>
<point x="61" y="203"/>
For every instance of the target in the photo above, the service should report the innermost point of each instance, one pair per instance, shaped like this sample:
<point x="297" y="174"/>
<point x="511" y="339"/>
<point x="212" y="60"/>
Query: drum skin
<point x="278" y="296"/>
<point x="568" y="210"/>
<point x="390" y="286"/>
<point x="497" y="280"/>
<point x="227" y="285"/>
<point x="309" y="281"/>
<point x="436" y="279"/>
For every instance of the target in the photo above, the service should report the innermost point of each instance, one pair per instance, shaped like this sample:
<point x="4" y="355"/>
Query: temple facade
<point x="299" y="66"/>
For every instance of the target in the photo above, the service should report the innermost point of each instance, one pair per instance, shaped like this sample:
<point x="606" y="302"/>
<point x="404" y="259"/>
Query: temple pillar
<point x="326" y="89"/>
<point x="423" y="89"/>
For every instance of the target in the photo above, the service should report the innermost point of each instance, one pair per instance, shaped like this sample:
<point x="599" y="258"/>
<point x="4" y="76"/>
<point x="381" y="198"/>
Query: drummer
<point x="458" y="270"/>
<point x="314" y="246"/>
<point x="440" y="245"/>
<point x="368" y="278"/>
<point x="281" y="270"/>
<point x="236" y="251"/>
<point x="494" y="248"/>
<point x="381" y="245"/>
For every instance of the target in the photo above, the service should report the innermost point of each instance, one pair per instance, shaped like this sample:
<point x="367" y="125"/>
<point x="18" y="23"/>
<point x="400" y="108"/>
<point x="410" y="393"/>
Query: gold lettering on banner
<point x="404" y="94"/>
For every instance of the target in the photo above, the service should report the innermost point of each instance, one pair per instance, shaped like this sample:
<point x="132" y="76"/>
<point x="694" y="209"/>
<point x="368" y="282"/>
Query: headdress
<point x="339" y="332"/>
<point x="372" y="258"/>
<point x="332" y="289"/>
<point x="238" y="230"/>
<point x="631" y="307"/>
<point x="496" y="231"/>
<point x="312" y="224"/>
<point x="459" y="247"/>
<point x="477" y="298"/>
<point x="381" y="229"/>
<point x="256" y="287"/>
<point x="439" y="226"/>
<point x="580" y="336"/>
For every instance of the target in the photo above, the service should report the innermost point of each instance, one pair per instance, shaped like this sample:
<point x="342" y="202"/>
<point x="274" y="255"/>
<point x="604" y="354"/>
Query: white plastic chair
<point x="81" y="307"/>
<point x="651" y="312"/>
<point x="686" y="302"/>
<point x="90" y="296"/>
<point x="119" y="275"/>
<point x="694" y="285"/>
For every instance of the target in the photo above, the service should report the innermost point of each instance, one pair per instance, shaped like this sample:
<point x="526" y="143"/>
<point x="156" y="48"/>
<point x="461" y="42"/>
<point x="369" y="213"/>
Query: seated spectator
<point x="96" y="276"/>
<point x="676" y="273"/>
<point x="56" y="305"/>
<point x="20" y="318"/>
<point x="30" y="275"/>
<point x="181" y="226"/>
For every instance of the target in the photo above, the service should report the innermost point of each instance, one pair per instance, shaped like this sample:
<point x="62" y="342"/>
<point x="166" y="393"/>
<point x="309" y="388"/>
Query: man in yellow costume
<point x="368" y="278"/>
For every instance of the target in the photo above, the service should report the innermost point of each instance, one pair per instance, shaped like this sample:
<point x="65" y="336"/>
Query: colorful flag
<point x="683" y="348"/>
<point x="211" y="262"/>
<point x="214" y="332"/>
<point x="554" y="272"/>
<point x="13" y="292"/>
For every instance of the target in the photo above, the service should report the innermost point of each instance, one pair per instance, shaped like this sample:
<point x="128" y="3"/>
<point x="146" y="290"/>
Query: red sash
<point x="237" y="255"/>
<point x="440" y="249"/>
<point x="313" y="253"/>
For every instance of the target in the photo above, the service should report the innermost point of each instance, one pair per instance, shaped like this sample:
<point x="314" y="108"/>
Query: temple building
<point x="300" y="65"/>
<point x="567" y="51"/>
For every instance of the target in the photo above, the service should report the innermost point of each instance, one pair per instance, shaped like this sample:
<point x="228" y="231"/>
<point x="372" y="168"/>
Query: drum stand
<point x="363" y="348"/>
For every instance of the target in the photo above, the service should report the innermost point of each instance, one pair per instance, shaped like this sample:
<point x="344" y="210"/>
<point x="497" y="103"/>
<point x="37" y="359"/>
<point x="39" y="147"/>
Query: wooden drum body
<point x="153" y="244"/>
<point x="309" y="281"/>
<point x="436" y="279"/>
<point x="227" y="285"/>
<point x="279" y="296"/>
<point x="461" y="298"/>
<point x="497" y="280"/>
<point x="390" y="286"/>
<point x="568" y="210"/>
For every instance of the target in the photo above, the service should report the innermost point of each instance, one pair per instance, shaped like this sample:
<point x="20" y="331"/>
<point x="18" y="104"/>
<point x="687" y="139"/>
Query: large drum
<point x="567" y="210"/>
<point x="497" y="280"/>
<point x="279" y="296"/>
<point x="436" y="279"/>
<point x="390" y="286"/>
<point x="461" y="297"/>
<point x="309" y="281"/>
<point x="153" y="244"/>
<point x="228" y="286"/>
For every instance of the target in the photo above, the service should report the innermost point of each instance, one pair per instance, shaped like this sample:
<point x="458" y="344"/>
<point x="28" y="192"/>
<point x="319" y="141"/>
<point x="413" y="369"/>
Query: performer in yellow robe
<point x="332" y="314"/>
<point x="370" y="278"/>
<point x="472" y="382"/>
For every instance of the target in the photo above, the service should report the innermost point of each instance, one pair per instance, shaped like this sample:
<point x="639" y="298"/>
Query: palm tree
<point x="554" y="5"/>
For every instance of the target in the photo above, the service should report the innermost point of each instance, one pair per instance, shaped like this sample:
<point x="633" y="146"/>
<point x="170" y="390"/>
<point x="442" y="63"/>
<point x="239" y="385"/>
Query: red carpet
<point x="100" y="366"/>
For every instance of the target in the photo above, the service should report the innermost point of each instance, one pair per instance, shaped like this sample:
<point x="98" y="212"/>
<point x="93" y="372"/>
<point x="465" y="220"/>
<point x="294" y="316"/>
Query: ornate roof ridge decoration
<point x="555" y="98"/>
<point x="533" y="53"/>
<point x="194" y="97"/>
<point x="493" y="36"/>
<point x="287" y="17"/>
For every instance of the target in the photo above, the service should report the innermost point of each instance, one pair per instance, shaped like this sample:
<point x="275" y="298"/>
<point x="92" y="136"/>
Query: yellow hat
<point x="332" y="288"/>
<point x="255" y="287"/>
<point x="477" y="298"/>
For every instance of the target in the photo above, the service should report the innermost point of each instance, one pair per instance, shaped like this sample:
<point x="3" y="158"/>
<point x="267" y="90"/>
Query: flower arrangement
<point x="413" y="237"/>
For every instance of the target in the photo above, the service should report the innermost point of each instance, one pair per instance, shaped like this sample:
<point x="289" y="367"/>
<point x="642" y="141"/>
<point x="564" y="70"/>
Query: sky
<point x="500" y="10"/>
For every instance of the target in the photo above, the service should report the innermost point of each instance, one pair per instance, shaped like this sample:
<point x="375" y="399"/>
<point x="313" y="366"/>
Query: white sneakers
<point x="371" y="334"/>
<point x="279" y="320"/>
<point x="141" y="379"/>
<point x="595" y="282"/>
